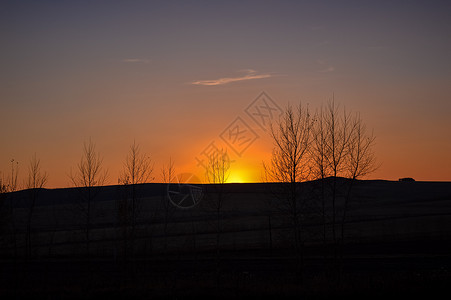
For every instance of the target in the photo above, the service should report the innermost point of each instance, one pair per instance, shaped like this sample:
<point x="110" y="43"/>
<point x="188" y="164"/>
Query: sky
<point x="177" y="76"/>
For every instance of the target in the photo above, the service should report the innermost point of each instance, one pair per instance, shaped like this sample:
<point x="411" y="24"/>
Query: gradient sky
<point x="173" y="75"/>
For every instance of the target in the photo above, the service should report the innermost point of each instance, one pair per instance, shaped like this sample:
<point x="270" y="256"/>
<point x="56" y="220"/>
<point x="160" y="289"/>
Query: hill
<point x="394" y="225"/>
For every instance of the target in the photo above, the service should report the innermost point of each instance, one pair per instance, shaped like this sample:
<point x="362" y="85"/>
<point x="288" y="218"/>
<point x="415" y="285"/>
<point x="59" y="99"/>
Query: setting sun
<point x="242" y="174"/>
<point x="245" y="169"/>
<point x="236" y="178"/>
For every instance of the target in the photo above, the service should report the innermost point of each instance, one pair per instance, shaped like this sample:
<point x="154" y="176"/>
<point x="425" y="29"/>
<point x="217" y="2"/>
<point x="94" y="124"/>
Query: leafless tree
<point x="361" y="157"/>
<point x="218" y="167"/>
<point x="3" y="185"/>
<point x="268" y="208"/>
<point x="217" y="172"/>
<point x="339" y="128"/>
<point x="319" y="156"/>
<point x="9" y="185"/>
<point x="137" y="170"/>
<point x="290" y="161"/>
<point x="168" y="172"/>
<point x="13" y="182"/>
<point x="361" y="160"/>
<point x="290" y="164"/>
<point x="3" y="208"/>
<point x="89" y="174"/>
<point x="8" y="234"/>
<point x="341" y="148"/>
<point x="168" y="176"/>
<point x="36" y="180"/>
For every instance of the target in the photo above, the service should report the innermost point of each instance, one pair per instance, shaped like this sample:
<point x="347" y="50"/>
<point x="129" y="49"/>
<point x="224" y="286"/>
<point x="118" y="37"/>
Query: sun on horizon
<point x="240" y="176"/>
<point x="235" y="178"/>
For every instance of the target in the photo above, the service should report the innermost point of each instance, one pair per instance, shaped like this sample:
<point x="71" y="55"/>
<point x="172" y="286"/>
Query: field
<point x="396" y="239"/>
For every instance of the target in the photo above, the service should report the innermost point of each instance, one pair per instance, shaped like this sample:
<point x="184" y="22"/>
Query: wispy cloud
<point x="136" y="60"/>
<point x="325" y="67"/>
<point x="249" y="75"/>
<point x="327" y="70"/>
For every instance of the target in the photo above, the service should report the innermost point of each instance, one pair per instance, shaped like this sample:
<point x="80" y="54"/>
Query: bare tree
<point x="341" y="148"/>
<point x="3" y="208"/>
<point x="361" y="157"/>
<point x="269" y="206"/>
<point x="319" y="156"/>
<point x="137" y="169"/>
<point x="168" y="172"/>
<point x="361" y="160"/>
<point x="168" y="176"/>
<point x="218" y="167"/>
<point x="35" y="181"/>
<point x="3" y="184"/>
<point x="12" y="182"/>
<point x="339" y="128"/>
<point x="290" y="164"/>
<point x="89" y="174"/>
<point x="10" y="185"/>
<point x="217" y="172"/>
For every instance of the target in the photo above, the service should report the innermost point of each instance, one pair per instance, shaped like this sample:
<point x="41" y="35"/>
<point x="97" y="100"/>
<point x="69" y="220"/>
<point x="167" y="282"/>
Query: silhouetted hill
<point x="387" y="210"/>
<point x="396" y="238"/>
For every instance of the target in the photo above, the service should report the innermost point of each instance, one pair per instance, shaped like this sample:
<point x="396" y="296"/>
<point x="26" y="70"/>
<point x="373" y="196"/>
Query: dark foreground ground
<point x="397" y="242"/>
<point x="408" y="269"/>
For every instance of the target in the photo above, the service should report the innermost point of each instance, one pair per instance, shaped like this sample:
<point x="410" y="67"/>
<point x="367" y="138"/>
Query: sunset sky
<point x="175" y="75"/>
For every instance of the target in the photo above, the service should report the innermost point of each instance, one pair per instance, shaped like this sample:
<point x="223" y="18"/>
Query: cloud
<point x="329" y="69"/>
<point x="250" y="74"/>
<point x="247" y="71"/>
<point x="326" y="68"/>
<point x="136" y="60"/>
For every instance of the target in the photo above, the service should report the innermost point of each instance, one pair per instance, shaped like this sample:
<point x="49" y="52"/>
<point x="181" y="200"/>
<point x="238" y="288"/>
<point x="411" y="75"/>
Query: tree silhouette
<point x="8" y="185"/>
<point x="35" y="181"/>
<point x="290" y="164"/>
<point x="168" y="177"/>
<point x="341" y="148"/>
<point x="217" y="172"/>
<point x="3" y="208"/>
<point x="137" y="169"/>
<point x="168" y="172"/>
<point x="89" y="174"/>
<point x="361" y="161"/>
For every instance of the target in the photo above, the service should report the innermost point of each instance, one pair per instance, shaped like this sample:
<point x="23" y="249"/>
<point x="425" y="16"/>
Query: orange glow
<point x="238" y="177"/>
<point x="245" y="170"/>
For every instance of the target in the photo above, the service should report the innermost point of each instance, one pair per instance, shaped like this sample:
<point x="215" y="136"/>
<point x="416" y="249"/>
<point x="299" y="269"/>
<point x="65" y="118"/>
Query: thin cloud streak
<point x="328" y="70"/>
<point x="251" y="74"/>
<point x="326" y="67"/>
<point x="136" y="60"/>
